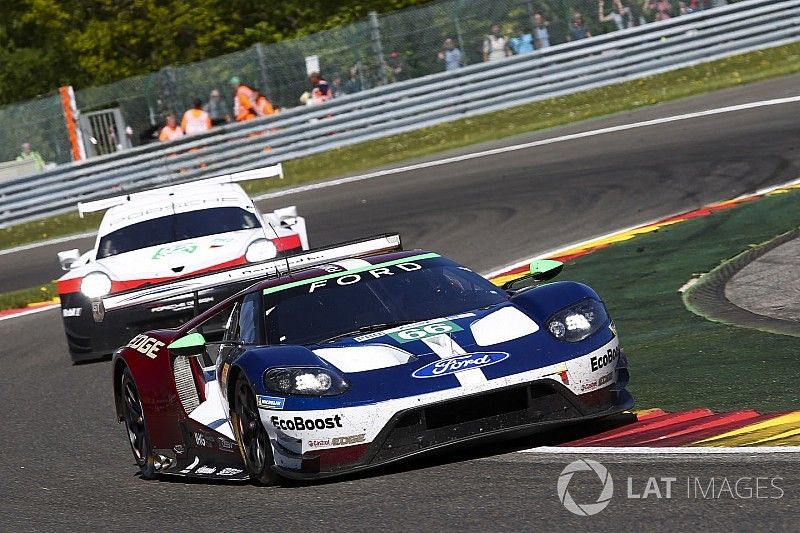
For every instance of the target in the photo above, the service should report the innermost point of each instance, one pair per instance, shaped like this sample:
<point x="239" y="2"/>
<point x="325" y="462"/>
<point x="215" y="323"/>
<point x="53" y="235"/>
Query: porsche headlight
<point x="306" y="381"/>
<point x="260" y="250"/>
<point x="578" y="321"/>
<point x="95" y="285"/>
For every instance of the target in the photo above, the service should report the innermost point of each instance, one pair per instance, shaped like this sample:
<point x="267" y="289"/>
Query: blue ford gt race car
<point x="350" y="357"/>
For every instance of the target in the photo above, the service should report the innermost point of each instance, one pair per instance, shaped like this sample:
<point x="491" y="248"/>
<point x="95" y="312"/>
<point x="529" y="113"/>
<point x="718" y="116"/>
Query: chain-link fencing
<point x="380" y="50"/>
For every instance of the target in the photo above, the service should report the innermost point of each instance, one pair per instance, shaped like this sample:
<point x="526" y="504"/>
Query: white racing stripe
<point x="446" y="347"/>
<point x="525" y="146"/>
<point x="644" y="450"/>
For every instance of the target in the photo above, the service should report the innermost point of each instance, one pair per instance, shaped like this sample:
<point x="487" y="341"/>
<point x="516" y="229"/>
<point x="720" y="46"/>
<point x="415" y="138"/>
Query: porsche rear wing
<point x="247" y="175"/>
<point x="252" y="272"/>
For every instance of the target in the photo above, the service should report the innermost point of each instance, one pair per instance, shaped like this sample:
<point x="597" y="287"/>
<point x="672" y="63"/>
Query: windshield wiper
<point x="368" y="329"/>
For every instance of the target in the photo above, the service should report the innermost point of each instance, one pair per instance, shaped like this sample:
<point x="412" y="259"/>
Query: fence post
<point x="262" y="67"/>
<point x="377" y="46"/>
<point x="168" y="93"/>
<point x="459" y="34"/>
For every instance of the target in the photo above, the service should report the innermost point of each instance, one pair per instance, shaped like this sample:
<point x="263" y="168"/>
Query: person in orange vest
<point x="263" y="106"/>
<point x="171" y="131"/>
<point x="244" y="101"/>
<point x="195" y="120"/>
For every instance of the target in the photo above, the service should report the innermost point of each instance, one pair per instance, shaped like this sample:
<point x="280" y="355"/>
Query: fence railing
<point x="403" y="106"/>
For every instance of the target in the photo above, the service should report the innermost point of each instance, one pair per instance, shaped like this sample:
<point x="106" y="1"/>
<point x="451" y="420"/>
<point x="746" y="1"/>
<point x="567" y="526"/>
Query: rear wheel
<point x="138" y="437"/>
<point x="251" y="435"/>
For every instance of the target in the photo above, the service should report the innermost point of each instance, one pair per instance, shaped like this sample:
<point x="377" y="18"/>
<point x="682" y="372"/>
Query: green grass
<point x="678" y="359"/>
<point x="729" y="72"/>
<point x="21" y="298"/>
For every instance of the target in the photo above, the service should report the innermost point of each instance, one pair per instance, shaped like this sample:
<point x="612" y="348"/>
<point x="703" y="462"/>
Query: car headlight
<point x="260" y="250"/>
<point x="95" y="285"/>
<point x="306" y="381"/>
<point x="578" y="321"/>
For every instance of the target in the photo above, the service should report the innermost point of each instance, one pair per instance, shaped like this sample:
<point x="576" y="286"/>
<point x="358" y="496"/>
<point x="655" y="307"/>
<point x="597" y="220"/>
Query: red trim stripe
<point x="69" y="286"/>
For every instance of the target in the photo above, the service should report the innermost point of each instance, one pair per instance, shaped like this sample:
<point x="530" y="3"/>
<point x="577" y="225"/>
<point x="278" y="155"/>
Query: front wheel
<point x="251" y="435"/>
<point x="133" y="414"/>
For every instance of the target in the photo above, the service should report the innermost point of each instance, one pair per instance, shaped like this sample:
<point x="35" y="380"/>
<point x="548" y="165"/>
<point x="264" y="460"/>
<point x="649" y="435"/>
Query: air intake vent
<point x="184" y="382"/>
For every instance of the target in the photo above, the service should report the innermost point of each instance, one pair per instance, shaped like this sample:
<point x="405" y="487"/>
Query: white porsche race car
<point x="168" y="235"/>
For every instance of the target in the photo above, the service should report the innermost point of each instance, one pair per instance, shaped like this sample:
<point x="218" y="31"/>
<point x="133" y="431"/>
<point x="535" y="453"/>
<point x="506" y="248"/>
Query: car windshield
<point x="327" y="308"/>
<point x="176" y="227"/>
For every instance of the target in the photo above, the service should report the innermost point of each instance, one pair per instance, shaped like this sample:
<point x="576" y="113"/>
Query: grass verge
<point x="729" y="72"/>
<point x="678" y="359"/>
<point x="23" y="297"/>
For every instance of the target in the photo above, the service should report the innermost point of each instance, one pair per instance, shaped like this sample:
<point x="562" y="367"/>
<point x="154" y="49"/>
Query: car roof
<point x="163" y="202"/>
<point x="342" y="266"/>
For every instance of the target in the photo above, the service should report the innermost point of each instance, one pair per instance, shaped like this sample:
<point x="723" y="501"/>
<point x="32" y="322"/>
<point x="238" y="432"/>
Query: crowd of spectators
<point x="503" y="39"/>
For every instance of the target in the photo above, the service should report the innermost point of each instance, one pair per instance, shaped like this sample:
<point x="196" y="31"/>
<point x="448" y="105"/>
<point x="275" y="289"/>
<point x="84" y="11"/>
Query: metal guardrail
<point x="563" y="69"/>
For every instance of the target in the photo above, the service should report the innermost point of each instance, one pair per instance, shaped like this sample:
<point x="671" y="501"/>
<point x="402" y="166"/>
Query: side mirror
<point x="188" y="346"/>
<point x="68" y="257"/>
<point x="538" y="271"/>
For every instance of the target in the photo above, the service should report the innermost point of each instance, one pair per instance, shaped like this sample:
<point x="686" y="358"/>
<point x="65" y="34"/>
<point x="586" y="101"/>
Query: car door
<point x="241" y="332"/>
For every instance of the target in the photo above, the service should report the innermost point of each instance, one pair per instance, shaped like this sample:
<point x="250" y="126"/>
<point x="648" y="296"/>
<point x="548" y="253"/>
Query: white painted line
<point x="39" y="244"/>
<point x="524" y="146"/>
<point x="467" y="157"/>
<point x="31" y="311"/>
<point x="643" y="450"/>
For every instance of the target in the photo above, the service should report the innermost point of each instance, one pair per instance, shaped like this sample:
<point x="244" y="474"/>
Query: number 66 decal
<point x="420" y="332"/>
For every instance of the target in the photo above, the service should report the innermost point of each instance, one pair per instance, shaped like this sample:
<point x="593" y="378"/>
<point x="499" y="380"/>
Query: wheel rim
<point x="134" y="421"/>
<point x="251" y="431"/>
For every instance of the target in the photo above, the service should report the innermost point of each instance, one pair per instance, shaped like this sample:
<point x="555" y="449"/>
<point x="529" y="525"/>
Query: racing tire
<point x="133" y="414"/>
<point x="253" y="440"/>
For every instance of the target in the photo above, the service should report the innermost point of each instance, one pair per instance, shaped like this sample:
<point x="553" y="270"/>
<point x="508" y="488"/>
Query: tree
<point x="48" y="43"/>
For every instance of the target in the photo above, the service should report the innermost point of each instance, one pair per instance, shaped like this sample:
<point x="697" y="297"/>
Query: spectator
<point x="336" y="86"/>
<point x="541" y="37"/>
<point x="637" y="13"/>
<point x="577" y="29"/>
<point x="521" y="42"/>
<point x="320" y="91"/>
<point x="353" y="83"/>
<point x="661" y="8"/>
<point x="693" y="7"/>
<point x="31" y="155"/>
<point x="450" y="55"/>
<point x="217" y="109"/>
<point x="195" y="120"/>
<point x="495" y="46"/>
<point x="171" y="131"/>
<point x="244" y="101"/>
<point x="619" y="15"/>
<point x="396" y="68"/>
<point x="263" y="106"/>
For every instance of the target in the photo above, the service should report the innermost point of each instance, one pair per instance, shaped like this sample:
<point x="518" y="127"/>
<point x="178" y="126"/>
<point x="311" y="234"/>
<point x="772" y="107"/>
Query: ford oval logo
<point x="459" y="364"/>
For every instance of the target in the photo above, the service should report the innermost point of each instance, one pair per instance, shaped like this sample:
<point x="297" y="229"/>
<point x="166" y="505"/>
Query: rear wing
<point x="247" y="175"/>
<point x="275" y="267"/>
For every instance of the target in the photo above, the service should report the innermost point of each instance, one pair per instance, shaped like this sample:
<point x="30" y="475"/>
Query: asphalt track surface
<point x="65" y="463"/>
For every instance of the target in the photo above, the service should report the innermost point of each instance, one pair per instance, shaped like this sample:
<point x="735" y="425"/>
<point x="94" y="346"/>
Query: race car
<point x="359" y="355"/>
<point x="159" y="236"/>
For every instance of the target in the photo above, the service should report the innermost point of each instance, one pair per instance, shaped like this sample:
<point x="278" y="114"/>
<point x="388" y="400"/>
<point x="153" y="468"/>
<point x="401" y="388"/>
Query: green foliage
<point x="48" y="43"/>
